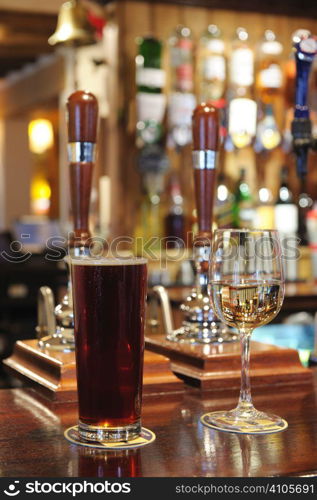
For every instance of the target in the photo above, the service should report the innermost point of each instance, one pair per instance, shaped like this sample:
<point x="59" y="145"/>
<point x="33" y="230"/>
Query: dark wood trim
<point x="304" y="8"/>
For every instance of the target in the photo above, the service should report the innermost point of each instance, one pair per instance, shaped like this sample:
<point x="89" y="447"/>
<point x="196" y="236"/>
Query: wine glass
<point x="246" y="290"/>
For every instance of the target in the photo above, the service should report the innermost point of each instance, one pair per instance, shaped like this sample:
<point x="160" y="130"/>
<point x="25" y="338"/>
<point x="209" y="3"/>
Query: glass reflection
<point x="118" y="463"/>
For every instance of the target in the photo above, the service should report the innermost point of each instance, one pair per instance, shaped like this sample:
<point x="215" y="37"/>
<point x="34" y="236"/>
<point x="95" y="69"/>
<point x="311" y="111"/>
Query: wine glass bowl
<point x="246" y="290"/>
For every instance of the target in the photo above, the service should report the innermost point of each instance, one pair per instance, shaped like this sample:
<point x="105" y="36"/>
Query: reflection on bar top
<point x="85" y="260"/>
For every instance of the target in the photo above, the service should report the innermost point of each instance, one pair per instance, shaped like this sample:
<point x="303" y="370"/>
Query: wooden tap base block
<point x="167" y="364"/>
<point x="53" y="374"/>
<point x="218" y="366"/>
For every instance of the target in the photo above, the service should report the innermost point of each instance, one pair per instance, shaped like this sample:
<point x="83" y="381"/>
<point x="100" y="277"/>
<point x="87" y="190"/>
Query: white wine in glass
<point x="246" y="291"/>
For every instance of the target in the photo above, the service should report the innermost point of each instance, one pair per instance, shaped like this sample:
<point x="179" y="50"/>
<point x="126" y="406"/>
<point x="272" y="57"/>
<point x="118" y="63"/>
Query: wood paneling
<point x="23" y="37"/>
<point x="49" y="6"/>
<point x="17" y="180"/>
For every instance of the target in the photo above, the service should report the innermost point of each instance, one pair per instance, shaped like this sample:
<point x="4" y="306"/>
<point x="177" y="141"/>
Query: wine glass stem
<point x="245" y="400"/>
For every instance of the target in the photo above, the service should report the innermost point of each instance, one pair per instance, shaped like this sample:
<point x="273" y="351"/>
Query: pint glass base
<point x="255" y="422"/>
<point x="95" y="434"/>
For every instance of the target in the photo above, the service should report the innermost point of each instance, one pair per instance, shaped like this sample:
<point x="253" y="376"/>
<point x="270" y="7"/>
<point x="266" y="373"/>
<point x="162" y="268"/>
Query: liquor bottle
<point x="212" y="65"/>
<point x="150" y="82"/>
<point x="224" y="203"/>
<point x="305" y="204"/>
<point x="243" y="207"/>
<point x="150" y="77"/>
<point x="285" y="196"/>
<point x="264" y="218"/>
<point x="286" y="222"/>
<point x="182" y="59"/>
<point x="290" y="74"/>
<point x="152" y="164"/>
<point x="242" y="107"/>
<point x="269" y="90"/>
<point x="241" y="65"/>
<point x="268" y="135"/>
<point x="152" y="160"/>
<point x="175" y="218"/>
<point x="181" y="100"/>
<point x="269" y="77"/>
<point x="286" y="211"/>
<point x="290" y="217"/>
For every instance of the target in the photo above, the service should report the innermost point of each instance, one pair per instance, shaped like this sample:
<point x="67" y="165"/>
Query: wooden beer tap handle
<point x="205" y="125"/>
<point x="82" y="135"/>
<point x="82" y="117"/>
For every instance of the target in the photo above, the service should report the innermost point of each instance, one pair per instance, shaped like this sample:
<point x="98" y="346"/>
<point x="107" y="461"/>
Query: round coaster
<point x="205" y="421"/>
<point x="145" y="438"/>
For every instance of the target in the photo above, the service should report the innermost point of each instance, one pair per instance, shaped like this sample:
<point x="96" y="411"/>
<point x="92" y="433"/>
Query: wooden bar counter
<point x="33" y="445"/>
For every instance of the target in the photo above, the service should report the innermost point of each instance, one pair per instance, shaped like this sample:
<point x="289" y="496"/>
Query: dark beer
<point x="109" y="307"/>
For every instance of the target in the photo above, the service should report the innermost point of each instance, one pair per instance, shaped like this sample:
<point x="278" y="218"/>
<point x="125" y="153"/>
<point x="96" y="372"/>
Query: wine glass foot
<point x="253" y="422"/>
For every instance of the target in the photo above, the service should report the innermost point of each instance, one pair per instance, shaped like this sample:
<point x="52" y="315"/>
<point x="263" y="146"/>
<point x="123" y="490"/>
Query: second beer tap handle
<point x="205" y="148"/>
<point x="82" y="136"/>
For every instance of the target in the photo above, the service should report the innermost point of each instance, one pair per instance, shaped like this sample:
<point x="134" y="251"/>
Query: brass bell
<point x="72" y="26"/>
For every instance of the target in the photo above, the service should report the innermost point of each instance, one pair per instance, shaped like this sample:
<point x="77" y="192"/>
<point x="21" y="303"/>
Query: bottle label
<point x="180" y="108"/>
<point x="150" y="77"/>
<point x="181" y="54"/>
<point x="185" y="44"/>
<point x="242" y="119"/>
<point x="246" y="216"/>
<point x="271" y="77"/>
<point x="182" y="62"/>
<point x="184" y="77"/>
<point x="223" y="214"/>
<point x="286" y="217"/>
<point x="150" y="107"/>
<point x="214" y="68"/>
<point x="272" y="47"/>
<point x="242" y="70"/>
<point x="264" y="217"/>
<point x="216" y="46"/>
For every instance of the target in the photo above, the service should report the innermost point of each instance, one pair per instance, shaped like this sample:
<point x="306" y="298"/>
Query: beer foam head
<point x="86" y="260"/>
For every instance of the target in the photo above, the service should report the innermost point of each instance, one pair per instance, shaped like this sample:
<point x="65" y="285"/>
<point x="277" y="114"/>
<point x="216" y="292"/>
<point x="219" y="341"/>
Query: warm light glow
<point x="222" y="192"/>
<point x="185" y="31"/>
<point x="40" y="196"/>
<point x="242" y="34"/>
<point x="264" y="195"/>
<point x="270" y="138"/>
<point x="41" y="135"/>
<point x="139" y="60"/>
<point x="241" y="140"/>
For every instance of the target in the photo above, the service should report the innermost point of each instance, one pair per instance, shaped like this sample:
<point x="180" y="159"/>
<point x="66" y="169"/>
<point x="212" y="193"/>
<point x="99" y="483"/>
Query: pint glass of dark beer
<point x="109" y="307"/>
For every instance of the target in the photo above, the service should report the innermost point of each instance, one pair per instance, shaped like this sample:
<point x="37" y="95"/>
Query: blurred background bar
<point x="149" y="64"/>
